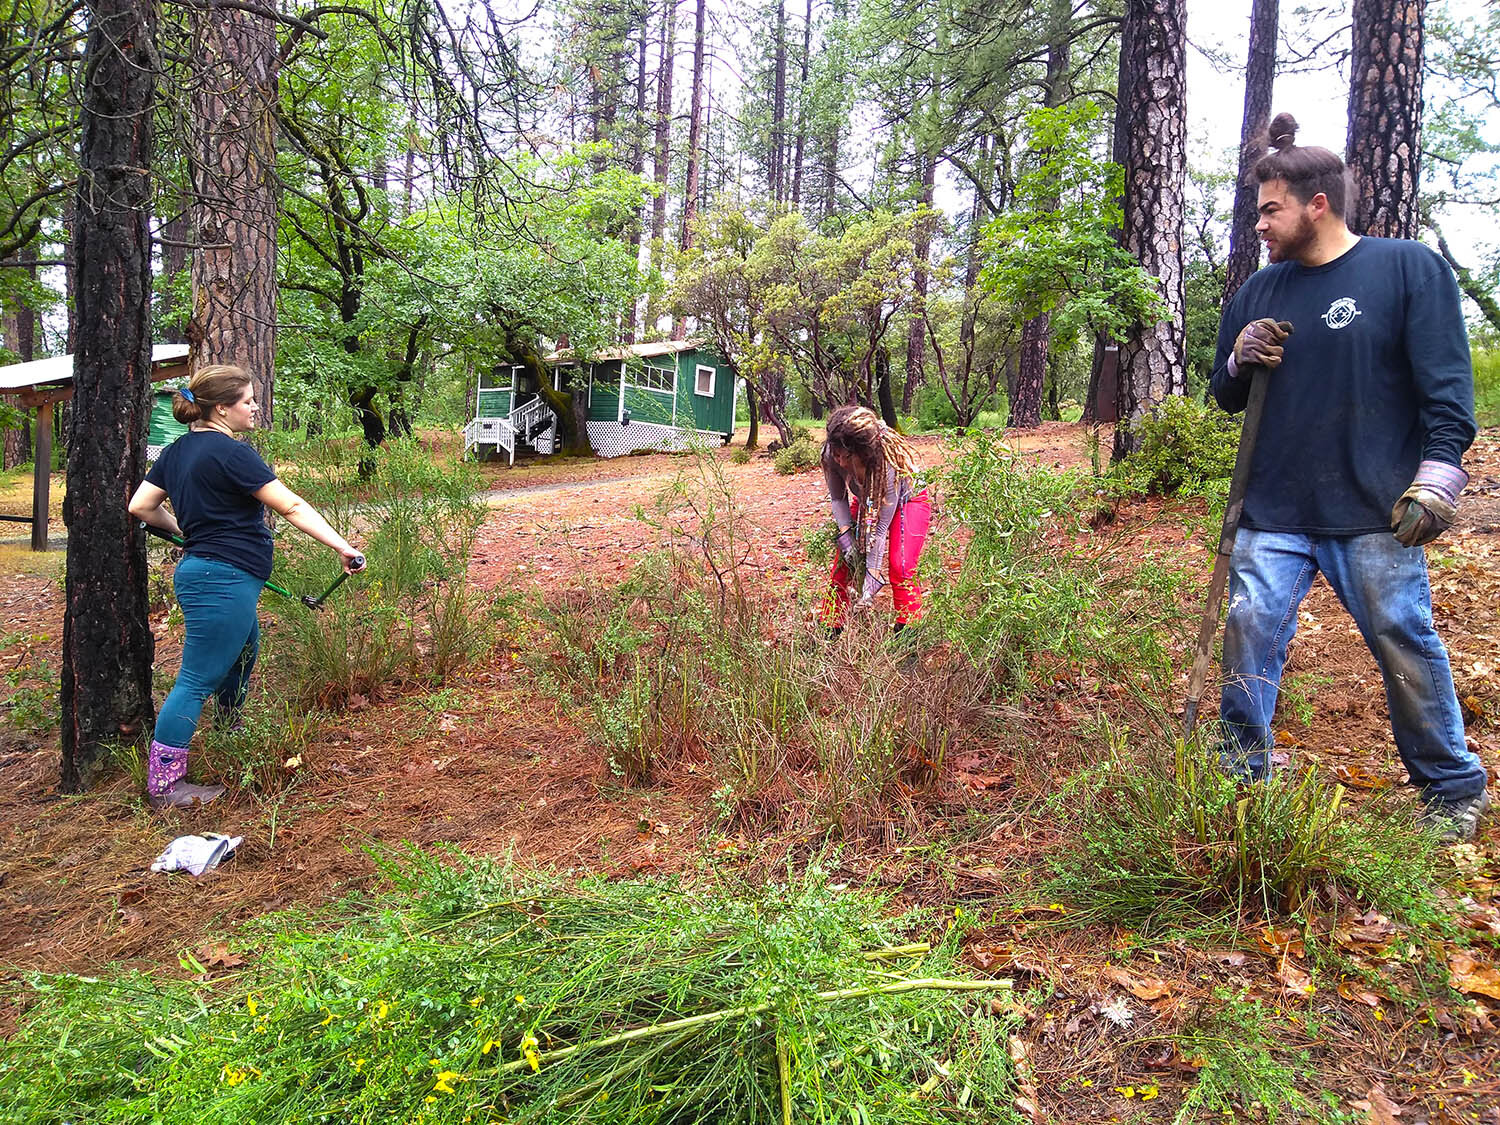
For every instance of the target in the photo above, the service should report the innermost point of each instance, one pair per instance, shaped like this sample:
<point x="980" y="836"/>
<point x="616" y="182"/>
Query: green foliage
<point x="1238" y="1040"/>
<point x="1031" y="594"/>
<point x="31" y="705"/>
<point x="740" y="456"/>
<point x="1187" y="448"/>
<point x="472" y="991"/>
<point x="1159" y="835"/>
<point x="1052" y="250"/>
<point x="410" y="614"/>
<point x="265" y="749"/>
<point x="1487" y="387"/>
<point x="803" y="453"/>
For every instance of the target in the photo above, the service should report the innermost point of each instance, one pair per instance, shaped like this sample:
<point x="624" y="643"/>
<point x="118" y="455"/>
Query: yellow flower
<point x="1148" y="1092"/>
<point x="445" y="1080"/>
<point x="430" y="1099"/>
<point x="529" y="1051"/>
<point x="358" y="1065"/>
<point x="490" y="1045"/>
<point x="251" y="1004"/>
<point x="382" y="1011"/>
<point x="478" y="1000"/>
<point x="327" y="1020"/>
<point x="520" y="1000"/>
<point x="1085" y="1082"/>
<point x="1469" y="1077"/>
<point x="1125" y="1091"/>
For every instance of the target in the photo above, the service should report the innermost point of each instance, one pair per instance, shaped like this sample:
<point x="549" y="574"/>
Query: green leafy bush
<point x="1487" y="387"/>
<point x="1163" y="836"/>
<point x="803" y="453"/>
<point x="1187" y="448"/>
<point x="473" y="992"/>
<point x="1032" y="584"/>
<point x="741" y="456"/>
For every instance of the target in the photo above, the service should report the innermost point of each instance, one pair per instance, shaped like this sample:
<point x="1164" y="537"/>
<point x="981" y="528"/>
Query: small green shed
<point x="164" y="428"/>
<point x="666" y="396"/>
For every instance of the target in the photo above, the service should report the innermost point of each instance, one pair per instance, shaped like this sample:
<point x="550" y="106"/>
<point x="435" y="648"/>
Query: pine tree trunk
<point x="802" y="109"/>
<point x="1260" y="78"/>
<point x="1152" y="359"/>
<point x="236" y="68"/>
<point x="663" y="164"/>
<point x="1385" y="116"/>
<point x="695" y="144"/>
<point x="883" y="397"/>
<point x="1036" y="333"/>
<point x="171" y="319"/>
<point x="916" y="328"/>
<point x="777" y="162"/>
<point x="695" y="131"/>
<point x="637" y="165"/>
<point x="107" y="644"/>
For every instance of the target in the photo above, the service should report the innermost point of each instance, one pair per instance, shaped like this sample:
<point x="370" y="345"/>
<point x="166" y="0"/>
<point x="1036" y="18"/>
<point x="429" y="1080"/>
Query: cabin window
<point x="652" y="378"/>
<point x="703" y="380"/>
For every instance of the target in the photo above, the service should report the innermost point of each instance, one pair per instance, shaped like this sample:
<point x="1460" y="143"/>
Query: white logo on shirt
<point x="1341" y="313"/>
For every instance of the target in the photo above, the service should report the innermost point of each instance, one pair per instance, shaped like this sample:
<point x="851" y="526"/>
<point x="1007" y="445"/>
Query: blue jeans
<point x="1384" y="587"/>
<point x="218" y="652"/>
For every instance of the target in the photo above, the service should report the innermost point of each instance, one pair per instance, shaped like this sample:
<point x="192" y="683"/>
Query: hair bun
<point x="1283" y="131"/>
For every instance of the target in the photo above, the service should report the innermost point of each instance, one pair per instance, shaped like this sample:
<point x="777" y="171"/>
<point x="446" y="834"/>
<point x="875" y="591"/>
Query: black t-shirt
<point x="210" y="478"/>
<point x="1375" y="378"/>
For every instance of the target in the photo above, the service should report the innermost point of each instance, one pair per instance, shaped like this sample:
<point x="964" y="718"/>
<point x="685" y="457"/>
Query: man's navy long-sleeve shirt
<point x="1375" y="378"/>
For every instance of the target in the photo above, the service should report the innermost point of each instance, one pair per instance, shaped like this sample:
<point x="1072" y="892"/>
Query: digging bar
<point x="1238" y="483"/>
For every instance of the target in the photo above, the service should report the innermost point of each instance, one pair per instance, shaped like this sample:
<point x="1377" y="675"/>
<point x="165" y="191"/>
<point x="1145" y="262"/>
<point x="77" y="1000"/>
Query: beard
<point x="1292" y="246"/>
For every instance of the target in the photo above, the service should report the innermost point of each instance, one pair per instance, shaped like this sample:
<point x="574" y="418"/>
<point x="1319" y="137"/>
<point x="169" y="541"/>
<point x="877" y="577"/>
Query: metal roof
<point x="629" y="351"/>
<point x="59" y="368"/>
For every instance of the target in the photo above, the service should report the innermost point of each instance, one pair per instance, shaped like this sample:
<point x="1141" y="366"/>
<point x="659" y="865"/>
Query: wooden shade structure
<point x="42" y="384"/>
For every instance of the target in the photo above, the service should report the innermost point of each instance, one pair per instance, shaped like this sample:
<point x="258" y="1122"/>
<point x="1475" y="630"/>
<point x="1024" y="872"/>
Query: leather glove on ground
<point x="1259" y="342"/>
<point x="1428" y="507"/>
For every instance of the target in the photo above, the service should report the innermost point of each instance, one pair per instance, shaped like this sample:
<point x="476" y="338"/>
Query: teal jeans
<point x="219" y="650"/>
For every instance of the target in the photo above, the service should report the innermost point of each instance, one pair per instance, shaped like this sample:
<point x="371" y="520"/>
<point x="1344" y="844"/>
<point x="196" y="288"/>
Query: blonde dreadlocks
<point x="859" y="430"/>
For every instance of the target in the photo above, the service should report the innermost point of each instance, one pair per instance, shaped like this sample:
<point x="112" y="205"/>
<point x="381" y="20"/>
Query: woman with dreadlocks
<point x="881" y="510"/>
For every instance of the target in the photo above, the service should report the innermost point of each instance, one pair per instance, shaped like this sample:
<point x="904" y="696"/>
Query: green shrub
<point x="1032" y="585"/>
<point x="741" y="456"/>
<point x="1163" y="836"/>
<point x="1487" y="387"/>
<point x="1237" y="1041"/>
<point x="472" y="992"/>
<point x="803" y="453"/>
<point x="410" y="613"/>
<point x="266" y="750"/>
<point x="1187" y="448"/>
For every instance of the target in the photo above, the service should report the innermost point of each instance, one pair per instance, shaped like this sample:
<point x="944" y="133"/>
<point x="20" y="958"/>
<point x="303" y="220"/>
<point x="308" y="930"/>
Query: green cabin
<point x="164" y="428"/>
<point x="664" y="396"/>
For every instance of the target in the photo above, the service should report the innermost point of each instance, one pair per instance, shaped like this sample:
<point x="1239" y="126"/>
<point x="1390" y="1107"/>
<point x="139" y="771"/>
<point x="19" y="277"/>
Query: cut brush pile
<point x="473" y="993"/>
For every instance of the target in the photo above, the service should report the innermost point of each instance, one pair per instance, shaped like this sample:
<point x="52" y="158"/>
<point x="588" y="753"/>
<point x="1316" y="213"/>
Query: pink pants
<point x="908" y="533"/>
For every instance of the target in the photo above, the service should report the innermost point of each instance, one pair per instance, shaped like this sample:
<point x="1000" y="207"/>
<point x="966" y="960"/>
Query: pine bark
<point x="1260" y="79"/>
<point x="663" y="161"/>
<point x="1385" y="116"/>
<point x="107" y="643"/>
<point x="695" y="130"/>
<point x="20" y="337"/>
<point x="639" y="131"/>
<point x="801" y="143"/>
<point x="1036" y="333"/>
<point x="1152" y="358"/>
<point x="236" y="70"/>
<point x="776" y="166"/>
<point x="916" y="330"/>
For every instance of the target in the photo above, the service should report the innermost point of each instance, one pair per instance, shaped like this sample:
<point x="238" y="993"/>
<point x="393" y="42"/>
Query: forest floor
<point x="498" y="765"/>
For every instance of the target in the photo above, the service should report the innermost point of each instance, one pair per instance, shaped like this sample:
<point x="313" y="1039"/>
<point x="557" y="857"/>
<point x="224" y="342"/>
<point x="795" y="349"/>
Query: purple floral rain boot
<point x="166" y="784"/>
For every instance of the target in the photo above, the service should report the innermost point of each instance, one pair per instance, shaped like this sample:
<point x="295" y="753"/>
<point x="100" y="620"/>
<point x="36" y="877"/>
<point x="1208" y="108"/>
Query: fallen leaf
<point x="1468" y="975"/>
<point x="1295" y="979"/>
<point x="1351" y="992"/>
<point x="1379" y="1109"/>
<point x="1280" y="942"/>
<point x="218" y="956"/>
<point x="356" y="702"/>
<point x="1143" y="988"/>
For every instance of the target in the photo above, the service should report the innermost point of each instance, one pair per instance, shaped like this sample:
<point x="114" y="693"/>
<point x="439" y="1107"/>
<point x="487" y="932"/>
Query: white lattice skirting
<point x="615" y="439"/>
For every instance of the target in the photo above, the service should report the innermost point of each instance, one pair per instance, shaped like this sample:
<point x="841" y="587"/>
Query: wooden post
<point x="41" y="476"/>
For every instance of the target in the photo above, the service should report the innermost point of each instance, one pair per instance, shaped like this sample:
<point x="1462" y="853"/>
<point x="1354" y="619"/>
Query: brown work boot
<point x="183" y="795"/>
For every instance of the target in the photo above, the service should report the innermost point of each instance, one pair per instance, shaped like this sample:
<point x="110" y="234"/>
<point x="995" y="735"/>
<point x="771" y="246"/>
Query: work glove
<point x="845" y="542"/>
<point x="196" y="854"/>
<point x="1259" y="343"/>
<point x="872" y="586"/>
<point x="1428" y="507"/>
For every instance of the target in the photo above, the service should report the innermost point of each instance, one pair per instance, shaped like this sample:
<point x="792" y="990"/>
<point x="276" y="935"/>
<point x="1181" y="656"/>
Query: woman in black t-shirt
<point x="217" y="486"/>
